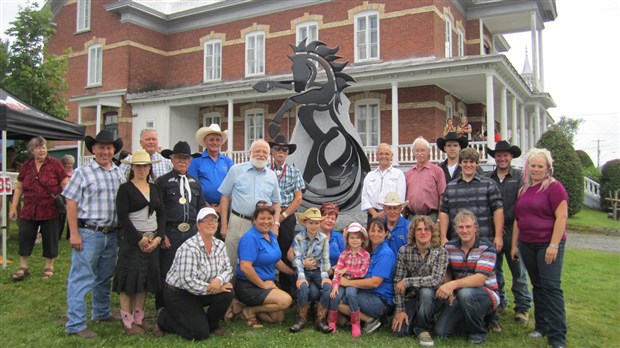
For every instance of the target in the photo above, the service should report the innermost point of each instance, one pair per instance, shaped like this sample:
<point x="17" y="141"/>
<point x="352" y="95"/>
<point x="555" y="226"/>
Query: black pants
<point x="166" y="257"/>
<point x="28" y="230"/>
<point x="184" y="313"/>
<point x="286" y="235"/>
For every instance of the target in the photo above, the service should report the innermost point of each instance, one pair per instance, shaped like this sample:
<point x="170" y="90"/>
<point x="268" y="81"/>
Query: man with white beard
<point x="246" y="184"/>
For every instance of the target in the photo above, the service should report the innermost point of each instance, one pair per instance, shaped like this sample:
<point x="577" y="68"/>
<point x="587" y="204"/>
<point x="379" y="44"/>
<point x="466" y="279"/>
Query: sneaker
<point x="425" y="339"/>
<point x="372" y="325"/>
<point x="86" y="334"/>
<point x="522" y="317"/>
<point x="500" y="309"/>
<point x="535" y="334"/>
<point x="476" y="339"/>
<point x="494" y="327"/>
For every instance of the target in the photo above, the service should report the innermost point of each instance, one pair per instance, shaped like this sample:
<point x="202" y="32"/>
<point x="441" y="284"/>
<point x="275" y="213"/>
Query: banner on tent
<point x="6" y="186"/>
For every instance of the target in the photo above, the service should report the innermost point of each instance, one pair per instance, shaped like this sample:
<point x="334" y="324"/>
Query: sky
<point x="581" y="68"/>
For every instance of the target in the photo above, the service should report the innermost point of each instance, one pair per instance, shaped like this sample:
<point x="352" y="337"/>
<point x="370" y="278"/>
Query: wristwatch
<point x="284" y="214"/>
<point x="553" y="246"/>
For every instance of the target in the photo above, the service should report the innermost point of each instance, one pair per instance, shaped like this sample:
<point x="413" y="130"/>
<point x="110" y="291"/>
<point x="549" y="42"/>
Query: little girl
<point x="352" y="264"/>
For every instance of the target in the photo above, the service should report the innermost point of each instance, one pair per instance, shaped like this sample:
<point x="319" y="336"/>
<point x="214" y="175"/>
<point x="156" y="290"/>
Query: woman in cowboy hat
<point x="141" y="214"/>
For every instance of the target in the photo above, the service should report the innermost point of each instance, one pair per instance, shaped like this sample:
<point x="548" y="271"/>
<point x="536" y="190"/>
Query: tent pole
<point x="4" y="200"/>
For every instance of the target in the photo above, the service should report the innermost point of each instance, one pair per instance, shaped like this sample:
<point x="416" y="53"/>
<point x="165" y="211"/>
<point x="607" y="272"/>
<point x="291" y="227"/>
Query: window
<point x="253" y="126"/>
<point x="449" y="109"/>
<point x="110" y="122"/>
<point x="95" y="62"/>
<point x="83" y="15"/>
<point x="210" y="118"/>
<point x="461" y="43"/>
<point x="149" y="124"/>
<point x="448" y="38"/>
<point x="307" y="30"/>
<point x="366" y="36"/>
<point x="367" y="121"/>
<point x="255" y="54"/>
<point x="213" y="60"/>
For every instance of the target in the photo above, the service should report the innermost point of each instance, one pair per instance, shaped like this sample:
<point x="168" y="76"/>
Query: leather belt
<point x="241" y="215"/>
<point x="178" y="226"/>
<point x="102" y="229"/>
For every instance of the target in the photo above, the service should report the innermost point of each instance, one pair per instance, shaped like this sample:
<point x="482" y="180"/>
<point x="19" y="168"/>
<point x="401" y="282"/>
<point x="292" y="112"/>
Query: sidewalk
<point x="593" y="241"/>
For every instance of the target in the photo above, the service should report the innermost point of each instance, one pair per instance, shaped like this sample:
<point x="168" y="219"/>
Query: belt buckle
<point x="184" y="227"/>
<point x="149" y="235"/>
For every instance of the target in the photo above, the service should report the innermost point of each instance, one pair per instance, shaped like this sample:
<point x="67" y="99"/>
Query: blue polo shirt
<point x="382" y="264"/>
<point x="398" y="236"/>
<point x="263" y="254"/>
<point x="246" y="186"/>
<point x="210" y="174"/>
<point x="336" y="247"/>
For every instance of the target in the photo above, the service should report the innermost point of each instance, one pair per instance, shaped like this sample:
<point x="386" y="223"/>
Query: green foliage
<point x="588" y="219"/>
<point x="585" y="159"/>
<point x="592" y="173"/>
<point x="610" y="181"/>
<point x="568" y="127"/>
<point x="567" y="168"/>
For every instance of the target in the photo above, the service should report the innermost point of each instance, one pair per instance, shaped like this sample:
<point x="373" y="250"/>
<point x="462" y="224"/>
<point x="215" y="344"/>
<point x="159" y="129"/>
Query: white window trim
<point x="215" y="54"/>
<point x="306" y="25"/>
<point x="99" y="73"/>
<point x="83" y="16"/>
<point x="461" y="42"/>
<point x="211" y="115"/>
<point x="259" y="57"/>
<point x="355" y="50"/>
<point x="448" y="37"/>
<point x="367" y="102"/>
<point x="247" y="137"/>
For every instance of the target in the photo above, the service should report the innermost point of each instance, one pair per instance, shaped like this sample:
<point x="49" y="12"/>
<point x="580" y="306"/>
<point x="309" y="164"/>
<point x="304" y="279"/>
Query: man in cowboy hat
<point x="183" y="199"/>
<point x="452" y="144"/>
<point x="150" y="144"/>
<point x="211" y="167"/>
<point x="93" y="223"/>
<point x="292" y="186"/>
<point x="398" y="226"/>
<point x="509" y="181"/>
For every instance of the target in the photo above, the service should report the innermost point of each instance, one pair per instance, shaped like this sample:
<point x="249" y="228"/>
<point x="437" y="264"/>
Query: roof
<point x="174" y="6"/>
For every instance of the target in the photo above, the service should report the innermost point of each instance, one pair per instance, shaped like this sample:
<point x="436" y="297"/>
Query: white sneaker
<point x="425" y="339"/>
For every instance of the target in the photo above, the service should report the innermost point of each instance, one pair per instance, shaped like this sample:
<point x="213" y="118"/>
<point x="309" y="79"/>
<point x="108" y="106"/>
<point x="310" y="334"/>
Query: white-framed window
<point x="449" y="109"/>
<point x="83" y="15"/>
<point x="448" y="37"/>
<point x="368" y="121"/>
<point x="210" y="118"/>
<point x="149" y="124"/>
<point x="212" y="60"/>
<point x="461" y="42"/>
<point x="255" y="53"/>
<point x="110" y="121"/>
<point x="366" y="27"/>
<point x="308" y="30"/>
<point x="95" y="64"/>
<point x="254" y="125"/>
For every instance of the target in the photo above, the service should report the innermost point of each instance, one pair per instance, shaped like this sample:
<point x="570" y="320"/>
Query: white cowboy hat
<point x="140" y="157"/>
<point x="393" y="199"/>
<point x="213" y="128"/>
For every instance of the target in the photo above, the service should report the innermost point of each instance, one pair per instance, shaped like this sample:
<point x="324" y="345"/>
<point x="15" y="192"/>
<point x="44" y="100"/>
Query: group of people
<point x="198" y="231"/>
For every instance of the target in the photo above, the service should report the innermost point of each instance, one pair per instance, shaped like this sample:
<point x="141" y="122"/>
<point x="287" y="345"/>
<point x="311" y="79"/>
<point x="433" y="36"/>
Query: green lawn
<point x="587" y="218"/>
<point x="29" y="313"/>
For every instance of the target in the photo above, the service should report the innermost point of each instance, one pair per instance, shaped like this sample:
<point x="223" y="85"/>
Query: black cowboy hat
<point x="104" y="137"/>
<point x="452" y="136"/>
<point x="180" y="148"/>
<point x="282" y="141"/>
<point x="503" y="145"/>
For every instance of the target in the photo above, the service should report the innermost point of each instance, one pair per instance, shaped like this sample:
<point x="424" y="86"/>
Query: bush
<point x="585" y="159"/>
<point x="566" y="165"/>
<point x="610" y="181"/>
<point x="592" y="173"/>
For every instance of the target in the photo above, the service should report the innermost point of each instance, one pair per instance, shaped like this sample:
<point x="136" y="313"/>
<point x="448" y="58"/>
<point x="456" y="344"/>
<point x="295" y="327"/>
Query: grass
<point x="29" y="313"/>
<point x="587" y="218"/>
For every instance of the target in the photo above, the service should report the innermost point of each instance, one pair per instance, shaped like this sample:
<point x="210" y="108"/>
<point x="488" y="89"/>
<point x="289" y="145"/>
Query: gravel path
<point x="593" y="241"/>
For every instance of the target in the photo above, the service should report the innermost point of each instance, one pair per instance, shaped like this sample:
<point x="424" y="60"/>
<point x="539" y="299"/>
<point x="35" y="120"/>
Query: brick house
<point x="179" y="65"/>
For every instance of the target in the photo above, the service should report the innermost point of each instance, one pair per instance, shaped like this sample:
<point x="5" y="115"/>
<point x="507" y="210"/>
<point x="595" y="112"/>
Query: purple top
<point x="535" y="212"/>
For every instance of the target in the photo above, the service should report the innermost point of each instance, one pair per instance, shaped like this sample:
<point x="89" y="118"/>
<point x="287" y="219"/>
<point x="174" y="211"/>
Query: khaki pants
<point x="237" y="227"/>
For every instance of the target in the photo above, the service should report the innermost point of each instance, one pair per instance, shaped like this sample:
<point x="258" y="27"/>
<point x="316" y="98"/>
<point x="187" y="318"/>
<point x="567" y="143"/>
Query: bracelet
<point x="284" y="215"/>
<point x="554" y="246"/>
<point x="277" y="223"/>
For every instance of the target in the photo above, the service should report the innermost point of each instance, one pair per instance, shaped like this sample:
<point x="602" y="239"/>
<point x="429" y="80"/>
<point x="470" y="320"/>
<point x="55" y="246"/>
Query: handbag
<point x="61" y="203"/>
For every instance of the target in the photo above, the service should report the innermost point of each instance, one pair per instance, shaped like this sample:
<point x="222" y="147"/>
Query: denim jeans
<point x="466" y="314"/>
<point x="369" y="303"/>
<point x="91" y="270"/>
<point x="549" y="311"/>
<point x="313" y="291"/>
<point x="348" y="292"/>
<point x="420" y="311"/>
<point x="520" y="286"/>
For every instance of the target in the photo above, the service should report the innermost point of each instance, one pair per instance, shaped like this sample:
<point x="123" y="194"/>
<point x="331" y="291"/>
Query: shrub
<point x="567" y="168"/>
<point x="610" y="181"/>
<point x="585" y="159"/>
<point x="592" y="173"/>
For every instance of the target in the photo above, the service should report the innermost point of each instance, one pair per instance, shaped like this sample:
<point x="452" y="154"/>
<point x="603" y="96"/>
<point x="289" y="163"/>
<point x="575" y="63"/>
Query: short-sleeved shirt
<point x="38" y="203"/>
<point x="535" y="212"/>
<point x="424" y="187"/>
<point x="210" y="174"/>
<point x="289" y="181"/>
<point x="160" y="168"/>
<point x="377" y="184"/>
<point x="382" y="263"/>
<point x="263" y="253"/>
<point x="398" y="236"/>
<point x="336" y="246"/>
<point x="246" y="186"/>
<point x="176" y="212"/>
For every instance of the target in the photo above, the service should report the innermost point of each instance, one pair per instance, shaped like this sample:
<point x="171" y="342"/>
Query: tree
<point x="566" y="167"/>
<point x="610" y="181"/>
<point x="568" y="127"/>
<point x="27" y="70"/>
<point x="585" y="159"/>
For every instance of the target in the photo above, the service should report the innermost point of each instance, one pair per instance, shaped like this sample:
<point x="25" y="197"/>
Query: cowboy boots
<point x="302" y="313"/>
<point x="332" y="318"/>
<point x="320" y="324"/>
<point x="355" y="324"/>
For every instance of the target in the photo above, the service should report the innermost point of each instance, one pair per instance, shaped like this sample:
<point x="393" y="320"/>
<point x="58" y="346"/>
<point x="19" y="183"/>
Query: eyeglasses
<point x="280" y="148"/>
<point x="209" y="219"/>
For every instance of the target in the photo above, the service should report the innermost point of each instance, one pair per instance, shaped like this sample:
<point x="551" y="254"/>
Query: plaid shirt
<point x="356" y="264"/>
<point x="418" y="272"/>
<point x="316" y="248"/>
<point x="160" y="168"/>
<point x="193" y="268"/>
<point x="289" y="182"/>
<point x="94" y="189"/>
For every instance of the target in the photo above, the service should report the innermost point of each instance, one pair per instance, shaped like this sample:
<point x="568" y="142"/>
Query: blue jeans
<point x="420" y="311"/>
<point x="348" y="292"/>
<point x="549" y="311"/>
<point x="313" y="291"/>
<point x="369" y="303"/>
<point x="466" y="315"/>
<point x="520" y="286"/>
<point x="91" y="269"/>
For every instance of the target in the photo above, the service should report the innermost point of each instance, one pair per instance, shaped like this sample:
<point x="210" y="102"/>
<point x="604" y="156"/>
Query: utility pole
<point x="598" y="153"/>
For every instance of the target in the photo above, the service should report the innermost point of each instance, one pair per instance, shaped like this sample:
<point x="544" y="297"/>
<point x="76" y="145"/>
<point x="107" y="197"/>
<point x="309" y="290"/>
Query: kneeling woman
<point x="199" y="277"/>
<point x="259" y="256"/>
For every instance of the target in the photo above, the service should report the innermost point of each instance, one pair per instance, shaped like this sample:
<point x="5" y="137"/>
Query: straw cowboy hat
<point x="313" y="214"/>
<point x="356" y="228"/>
<point x="212" y="129"/>
<point x="104" y="137"/>
<point x="452" y="136"/>
<point x="140" y="157"/>
<point x="393" y="199"/>
<point x="503" y="145"/>
<point x="180" y="148"/>
<point x="281" y="140"/>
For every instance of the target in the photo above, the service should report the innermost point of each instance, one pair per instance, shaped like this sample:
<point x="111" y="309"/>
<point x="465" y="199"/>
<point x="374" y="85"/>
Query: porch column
<point x="531" y="133"/>
<point x="533" y="32"/>
<point x="395" y="123"/>
<point x="481" y="28"/>
<point x="540" y="61"/>
<point x="503" y="113"/>
<point x="537" y="132"/>
<point x="98" y="119"/>
<point x="231" y="129"/>
<point x="522" y="134"/>
<point x="513" y="121"/>
<point x="490" y="112"/>
<point x="544" y="122"/>
<point x="79" y="143"/>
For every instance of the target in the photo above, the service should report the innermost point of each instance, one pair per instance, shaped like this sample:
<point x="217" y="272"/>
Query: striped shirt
<point x="356" y="263"/>
<point x="479" y="260"/>
<point x="316" y="248"/>
<point x="160" y="168"/>
<point x="194" y="268"/>
<point x="290" y="181"/>
<point x="94" y="188"/>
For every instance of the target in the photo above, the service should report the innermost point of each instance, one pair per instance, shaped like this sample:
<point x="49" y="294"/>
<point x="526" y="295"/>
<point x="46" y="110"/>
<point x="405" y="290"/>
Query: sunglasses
<point x="280" y="148"/>
<point x="209" y="219"/>
<point x="263" y="204"/>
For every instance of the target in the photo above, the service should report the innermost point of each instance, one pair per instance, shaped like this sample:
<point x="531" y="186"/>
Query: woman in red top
<point x="39" y="178"/>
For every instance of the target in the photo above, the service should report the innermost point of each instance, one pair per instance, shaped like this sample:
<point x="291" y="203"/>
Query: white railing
<point x="592" y="187"/>
<point x="406" y="156"/>
<point x="86" y="160"/>
<point x="240" y="156"/>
